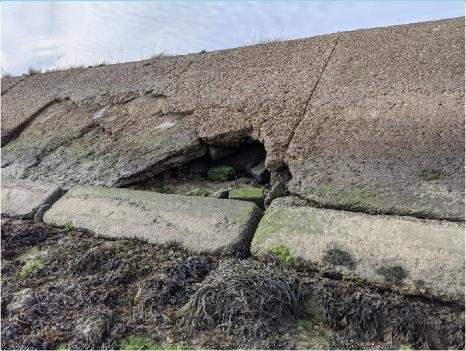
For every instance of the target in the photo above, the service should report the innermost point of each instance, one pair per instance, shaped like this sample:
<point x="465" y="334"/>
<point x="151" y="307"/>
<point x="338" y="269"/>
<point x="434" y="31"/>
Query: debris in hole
<point x="221" y="173"/>
<point x="215" y="174"/>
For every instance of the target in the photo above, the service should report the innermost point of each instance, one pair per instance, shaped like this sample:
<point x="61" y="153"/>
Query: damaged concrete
<point x="357" y="116"/>
<point x="26" y="199"/>
<point x="68" y="144"/>
<point x="406" y="254"/>
<point x="197" y="223"/>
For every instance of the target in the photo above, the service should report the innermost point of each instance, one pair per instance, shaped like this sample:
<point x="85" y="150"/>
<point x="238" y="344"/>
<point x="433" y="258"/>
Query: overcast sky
<point x="48" y="35"/>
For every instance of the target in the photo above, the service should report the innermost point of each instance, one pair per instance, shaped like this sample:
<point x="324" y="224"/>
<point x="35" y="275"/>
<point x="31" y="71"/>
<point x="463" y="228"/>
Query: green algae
<point x="247" y="193"/>
<point x="142" y="342"/>
<point x="283" y="255"/>
<point x="221" y="173"/>
<point x="31" y="267"/>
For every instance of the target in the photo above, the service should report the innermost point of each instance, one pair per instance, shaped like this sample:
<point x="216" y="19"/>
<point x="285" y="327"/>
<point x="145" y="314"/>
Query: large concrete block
<point x="199" y="224"/>
<point x="404" y="253"/>
<point x="26" y="199"/>
<point x="384" y="129"/>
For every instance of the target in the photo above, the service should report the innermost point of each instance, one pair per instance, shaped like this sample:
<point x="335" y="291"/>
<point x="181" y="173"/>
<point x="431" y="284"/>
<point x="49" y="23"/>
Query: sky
<point x="48" y="35"/>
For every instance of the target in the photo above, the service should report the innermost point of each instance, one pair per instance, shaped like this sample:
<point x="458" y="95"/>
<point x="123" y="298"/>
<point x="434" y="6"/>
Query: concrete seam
<point x="311" y="95"/>
<point x="7" y="90"/>
<point x="22" y="126"/>
<point x="49" y="201"/>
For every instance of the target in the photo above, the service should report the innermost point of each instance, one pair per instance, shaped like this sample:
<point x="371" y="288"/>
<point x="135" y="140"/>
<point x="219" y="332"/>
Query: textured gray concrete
<point x="72" y="144"/>
<point x="384" y="130"/>
<point x="197" y="223"/>
<point x="407" y="254"/>
<point x="26" y="199"/>
<point x="370" y="120"/>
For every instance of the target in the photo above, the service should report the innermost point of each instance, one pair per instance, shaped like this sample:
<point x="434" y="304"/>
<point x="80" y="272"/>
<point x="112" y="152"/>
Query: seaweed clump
<point x="244" y="298"/>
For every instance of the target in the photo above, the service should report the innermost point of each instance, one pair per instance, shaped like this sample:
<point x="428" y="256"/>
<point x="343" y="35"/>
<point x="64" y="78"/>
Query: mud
<point x="84" y="292"/>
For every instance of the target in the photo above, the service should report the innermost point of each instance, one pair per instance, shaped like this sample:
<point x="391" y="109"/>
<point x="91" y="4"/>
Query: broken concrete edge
<point x="407" y="255"/>
<point x="40" y="197"/>
<point x="199" y="224"/>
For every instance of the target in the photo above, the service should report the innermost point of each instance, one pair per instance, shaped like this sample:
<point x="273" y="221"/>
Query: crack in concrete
<point x="370" y="210"/>
<point x="310" y="96"/>
<point x="19" y="81"/>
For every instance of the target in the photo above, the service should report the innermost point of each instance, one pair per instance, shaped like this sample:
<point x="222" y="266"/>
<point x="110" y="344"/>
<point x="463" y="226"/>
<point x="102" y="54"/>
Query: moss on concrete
<point x="221" y="173"/>
<point x="355" y="196"/>
<point x="252" y="194"/>
<point x="201" y="191"/>
<point x="283" y="255"/>
<point x="247" y="193"/>
<point x="69" y="226"/>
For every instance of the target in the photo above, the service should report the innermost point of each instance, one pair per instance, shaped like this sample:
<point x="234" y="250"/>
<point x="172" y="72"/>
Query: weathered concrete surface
<point x="26" y="199"/>
<point x="359" y="117"/>
<point x="199" y="224"/>
<point x="9" y="82"/>
<point x="411" y="255"/>
<point x="388" y="109"/>
<point x="103" y="146"/>
<point x="221" y="97"/>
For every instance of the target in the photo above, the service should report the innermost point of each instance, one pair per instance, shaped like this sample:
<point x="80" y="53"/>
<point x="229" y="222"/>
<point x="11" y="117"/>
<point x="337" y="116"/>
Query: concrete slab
<point x="403" y="253"/>
<point x="384" y="129"/>
<point x="27" y="199"/>
<point x="71" y="144"/>
<point x="197" y="223"/>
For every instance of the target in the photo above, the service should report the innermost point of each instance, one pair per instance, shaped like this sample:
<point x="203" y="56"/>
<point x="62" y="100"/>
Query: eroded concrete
<point x="26" y="199"/>
<point x="359" y="117"/>
<point x="199" y="224"/>
<point x="407" y="254"/>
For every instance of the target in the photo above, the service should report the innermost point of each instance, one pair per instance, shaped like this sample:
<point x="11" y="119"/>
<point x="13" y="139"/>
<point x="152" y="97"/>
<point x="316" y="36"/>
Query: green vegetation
<point x="31" y="266"/>
<point x="62" y="346"/>
<point x="429" y="174"/>
<point x="247" y="193"/>
<point x="138" y="342"/>
<point x="221" y="173"/>
<point x="141" y="342"/>
<point x="30" y="254"/>
<point x="355" y="196"/>
<point x="305" y="323"/>
<point x="283" y="255"/>
<point x="201" y="191"/>
<point x="69" y="226"/>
